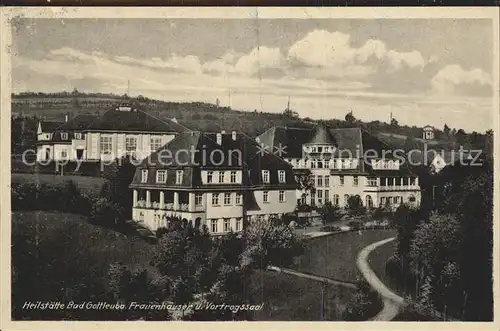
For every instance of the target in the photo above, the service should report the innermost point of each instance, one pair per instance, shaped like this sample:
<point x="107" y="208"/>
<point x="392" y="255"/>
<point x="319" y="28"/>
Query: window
<point x="320" y="197"/>
<point x="154" y="143"/>
<point x="320" y="149"/>
<point x="327" y="195"/>
<point x="210" y="175"/>
<point x="281" y="196"/>
<point x="238" y="224"/>
<point x="372" y="181"/>
<point x="314" y="164"/>
<point x="369" y="201"/>
<point x="227" y="225"/>
<point x="144" y="175"/>
<point x="346" y="197"/>
<point x="106" y="144"/>
<point x="313" y="199"/>
<point x="355" y="180"/>
<point x="78" y="135"/>
<point x="64" y="153"/>
<point x="161" y="176"/>
<point x="327" y="181"/>
<point x="320" y="164"/>
<point x="130" y="144"/>
<point x="281" y="176"/>
<point x="198" y="199"/>
<point x="178" y="176"/>
<point x="215" y="199"/>
<point x="265" y="195"/>
<point x="341" y="180"/>
<point x="265" y="176"/>
<point x="405" y="181"/>
<point x="64" y="135"/>
<point x="221" y="176"/>
<point x="238" y="198"/>
<point x="336" y="199"/>
<point x="383" y="181"/>
<point x="233" y="176"/>
<point x="412" y="180"/>
<point x="382" y="201"/>
<point x="227" y="198"/>
<point x="326" y="163"/>
<point x="397" y="181"/>
<point x="320" y="181"/>
<point x="390" y="181"/>
<point x="214" y="226"/>
<point x="389" y="200"/>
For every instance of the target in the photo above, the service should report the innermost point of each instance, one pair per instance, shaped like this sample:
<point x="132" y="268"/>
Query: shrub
<point x="105" y="212"/>
<point x="330" y="228"/>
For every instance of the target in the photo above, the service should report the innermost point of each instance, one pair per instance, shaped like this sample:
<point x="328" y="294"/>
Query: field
<point x="83" y="182"/>
<point x="335" y="256"/>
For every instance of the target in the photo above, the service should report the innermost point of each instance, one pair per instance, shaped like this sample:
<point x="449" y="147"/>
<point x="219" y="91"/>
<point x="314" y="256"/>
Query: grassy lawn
<point x="83" y="182"/>
<point x="291" y="298"/>
<point x="335" y="256"/>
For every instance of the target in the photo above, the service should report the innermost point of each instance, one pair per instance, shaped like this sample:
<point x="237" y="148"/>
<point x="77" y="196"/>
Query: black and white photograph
<point x="250" y="165"/>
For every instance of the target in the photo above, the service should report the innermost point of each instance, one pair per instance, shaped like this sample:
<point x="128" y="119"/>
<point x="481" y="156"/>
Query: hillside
<point x="210" y="117"/>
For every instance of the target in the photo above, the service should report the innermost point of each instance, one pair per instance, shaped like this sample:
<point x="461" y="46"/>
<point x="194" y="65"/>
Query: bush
<point x="105" y="212"/>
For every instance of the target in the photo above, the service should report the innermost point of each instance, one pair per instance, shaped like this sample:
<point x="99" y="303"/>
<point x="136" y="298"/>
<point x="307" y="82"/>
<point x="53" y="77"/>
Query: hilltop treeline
<point x="212" y="117"/>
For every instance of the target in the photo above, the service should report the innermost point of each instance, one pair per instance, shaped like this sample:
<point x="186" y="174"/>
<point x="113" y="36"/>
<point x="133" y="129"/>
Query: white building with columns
<point x="120" y="131"/>
<point x="344" y="162"/>
<point x="216" y="180"/>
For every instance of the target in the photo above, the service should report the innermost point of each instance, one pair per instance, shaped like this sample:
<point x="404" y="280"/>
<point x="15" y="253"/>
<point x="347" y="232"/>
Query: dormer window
<point x="144" y="175"/>
<point x="219" y="139"/>
<point x="78" y="135"/>
<point x="161" y="176"/>
<point x="178" y="176"/>
<point x="64" y="135"/>
<point x="281" y="176"/>
<point x="265" y="176"/>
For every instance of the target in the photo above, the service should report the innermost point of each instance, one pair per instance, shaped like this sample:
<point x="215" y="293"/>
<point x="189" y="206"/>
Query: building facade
<point x="428" y="132"/>
<point x="217" y="180"/>
<point x="345" y="162"/>
<point x="123" y="130"/>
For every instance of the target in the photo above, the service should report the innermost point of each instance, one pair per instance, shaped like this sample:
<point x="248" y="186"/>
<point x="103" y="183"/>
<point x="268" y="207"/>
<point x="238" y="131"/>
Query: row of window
<point x="324" y="195"/>
<point x="227" y="197"/>
<point x="324" y="164"/>
<point x="161" y="176"/>
<point x="266" y="176"/>
<point x="385" y="164"/>
<point x="220" y="176"/>
<point x="106" y="144"/>
<point x="319" y="149"/>
<point x="226" y="225"/>
<point x="65" y="135"/>
<point x="324" y="181"/>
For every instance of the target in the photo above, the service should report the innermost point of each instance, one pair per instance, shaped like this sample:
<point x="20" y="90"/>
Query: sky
<point x="424" y="71"/>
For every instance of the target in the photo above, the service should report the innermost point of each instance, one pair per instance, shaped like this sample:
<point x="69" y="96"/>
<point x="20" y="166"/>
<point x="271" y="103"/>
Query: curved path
<point x="392" y="302"/>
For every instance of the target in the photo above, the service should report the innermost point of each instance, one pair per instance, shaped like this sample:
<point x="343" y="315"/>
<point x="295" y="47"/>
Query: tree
<point x="349" y="118"/>
<point x="329" y="212"/>
<point x="306" y="184"/>
<point x="394" y="122"/>
<point x="410" y="144"/>
<point x="290" y="113"/>
<point x="446" y="130"/>
<point x="355" y="205"/>
<point x="119" y="175"/>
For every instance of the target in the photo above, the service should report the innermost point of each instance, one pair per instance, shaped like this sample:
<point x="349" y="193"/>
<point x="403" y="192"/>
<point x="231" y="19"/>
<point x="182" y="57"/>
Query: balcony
<point x="168" y="206"/>
<point x="392" y="188"/>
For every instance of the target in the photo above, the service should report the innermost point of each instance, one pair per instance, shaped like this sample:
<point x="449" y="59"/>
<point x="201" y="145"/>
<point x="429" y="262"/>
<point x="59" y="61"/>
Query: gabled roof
<point x="194" y="151"/>
<point x="49" y="126"/>
<point x="320" y="135"/>
<point x="347" y="140"/>
<point x="135" y="120"/>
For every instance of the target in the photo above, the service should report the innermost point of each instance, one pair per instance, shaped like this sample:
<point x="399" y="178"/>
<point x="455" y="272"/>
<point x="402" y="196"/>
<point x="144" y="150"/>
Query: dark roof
<point x="197" y="150"/>
<point x="426" y="157"/>
<point x="49" y="126"/>
<point x="322" y="136"/>
<point x="135" y="120"/>
<point x="347" y="140"/>
<point x="76" y="124"/>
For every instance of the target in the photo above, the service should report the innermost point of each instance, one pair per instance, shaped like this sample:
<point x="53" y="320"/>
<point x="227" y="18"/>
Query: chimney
<point x="223" y="132"/>
<point x="257" y="140"/>
<point x="174" y="120"/>
<point x="219" y="139"/>
<point x="66" y="117"/>
<point x="233" y="135"/>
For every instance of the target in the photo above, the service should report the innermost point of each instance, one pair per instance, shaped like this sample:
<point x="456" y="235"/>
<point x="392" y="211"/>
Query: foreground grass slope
<point x="83" y="182"/>
<point x="335" y="256"/>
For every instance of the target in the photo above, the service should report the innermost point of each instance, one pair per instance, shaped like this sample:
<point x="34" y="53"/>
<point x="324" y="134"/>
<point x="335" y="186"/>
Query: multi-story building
<point x="344" y="162"/>
<point x="215" y="179"/>
<point x="123" y="130"/>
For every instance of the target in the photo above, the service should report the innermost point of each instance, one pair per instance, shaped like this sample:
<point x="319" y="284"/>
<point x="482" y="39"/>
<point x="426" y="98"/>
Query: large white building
<point x="121" y="131"/>
<point x="344" y="162"/>
<point x="215" y="179"/>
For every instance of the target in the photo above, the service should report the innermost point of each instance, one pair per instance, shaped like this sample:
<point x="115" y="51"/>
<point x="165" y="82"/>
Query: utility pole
<point x="128" y="88"/>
